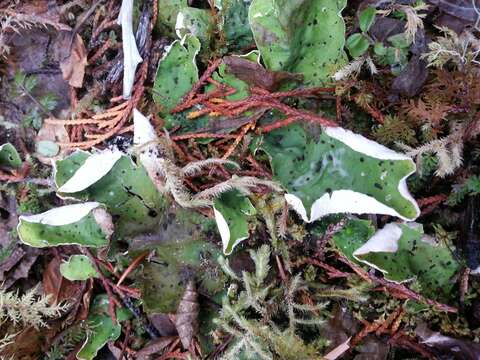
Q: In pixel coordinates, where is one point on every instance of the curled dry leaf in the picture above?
(15, 259)
(187, 315)
(154, 347)
(59, 288)
(256, 75)
(74, 62)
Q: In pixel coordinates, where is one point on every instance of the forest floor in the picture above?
(239, 179)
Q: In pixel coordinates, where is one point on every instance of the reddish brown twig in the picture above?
(125, 342)
(367, 329)
(332, 229)
(278, 124)
(374, 113)
(389, 321)
(202, 136)
(16, 175)
(112, 301)
(239, 138)
(396, 289)
(196, 87)
(221, 91)
(332, 272)
(338, 109)
(432, 200)
(102, 50)
(132, 266)
(464, 284)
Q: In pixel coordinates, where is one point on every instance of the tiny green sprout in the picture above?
(358, 43)
(367, 18)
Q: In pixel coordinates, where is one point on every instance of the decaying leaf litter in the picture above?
(232, 179)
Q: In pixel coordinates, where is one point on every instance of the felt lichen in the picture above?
(302, 36)
(339, 172)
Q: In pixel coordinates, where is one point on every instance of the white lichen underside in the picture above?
(131, 56)
(224, 230)
(94, 168)
(63, 215)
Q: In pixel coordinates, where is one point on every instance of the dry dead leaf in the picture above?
(186, 320)
(256, 75)
(30, 343)
(74, 63)
(57, 286)
(20, 259)
(154, 347)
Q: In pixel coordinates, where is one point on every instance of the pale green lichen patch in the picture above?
(126, 189)
(305, 36)
(86, 224)
(340, 172)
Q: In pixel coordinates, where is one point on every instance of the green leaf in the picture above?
(86, 224)
(338, 171)
(19, 78)
(176, 73)
(78, 267)
(403, 253)
(232, 213)
(101, 328)
(49, 101)
(380, 49)
(399, 41)
(167, 15)
(366, 18)
(303, 36)
(162, 281)
(195, 22)
(30, 82)
(113, 179)
(357, 44)
(353, 235)
(234, 23)
(9, 156)
(47, 148)
(224, 77)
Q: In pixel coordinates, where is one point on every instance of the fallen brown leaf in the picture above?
(74, 63)
(256, 75)
(57, 286)
(186, 320)
(154, 347)
(17, 264)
